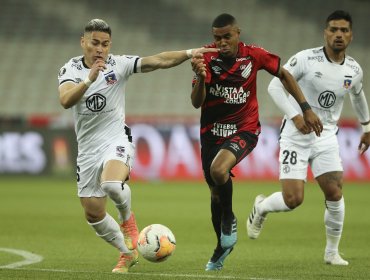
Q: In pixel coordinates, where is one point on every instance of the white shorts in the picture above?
(90, 166)
(322, 155)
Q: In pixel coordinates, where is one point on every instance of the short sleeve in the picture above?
(295, 65)
(66, 74)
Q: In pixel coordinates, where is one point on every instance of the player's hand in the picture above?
(198, 66)
(313, 121)
(364, 143)
(300, 124)
(98, 66)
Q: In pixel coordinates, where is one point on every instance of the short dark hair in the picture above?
(339, 14)
(223, 20)
(98, 25)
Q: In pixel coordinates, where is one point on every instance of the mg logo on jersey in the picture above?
(327, 99)
(96, 102)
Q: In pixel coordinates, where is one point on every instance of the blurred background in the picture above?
(37, 37)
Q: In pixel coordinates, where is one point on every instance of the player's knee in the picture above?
(94, 216)
(112, 188)
(219, 174)
(293, 200)
(334, 194)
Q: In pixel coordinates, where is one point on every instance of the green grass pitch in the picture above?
(43, 216)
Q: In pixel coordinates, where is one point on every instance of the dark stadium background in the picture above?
(38, 36)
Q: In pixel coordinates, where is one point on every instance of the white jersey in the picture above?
(100, 114)
(324, 84)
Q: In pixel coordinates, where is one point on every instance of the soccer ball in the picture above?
(156, 243)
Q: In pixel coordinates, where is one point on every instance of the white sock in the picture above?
(109, 230)
(333, 219)
(273, 203)
(120, 193)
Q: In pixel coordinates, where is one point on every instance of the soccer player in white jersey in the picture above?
(326, 75)
(93, 85)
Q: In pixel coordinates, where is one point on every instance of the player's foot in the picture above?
(217, 260)
(130, 232)
(229, 234)
(334, 259)
(125, 261)
(255, 220)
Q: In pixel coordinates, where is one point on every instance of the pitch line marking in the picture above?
(184, 276)
(29, 258)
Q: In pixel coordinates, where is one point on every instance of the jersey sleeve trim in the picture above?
(136, 65)
(278, 68)
(68, 80)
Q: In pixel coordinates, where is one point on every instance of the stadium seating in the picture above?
(38, 36)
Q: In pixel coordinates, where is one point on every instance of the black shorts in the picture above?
(240, 144)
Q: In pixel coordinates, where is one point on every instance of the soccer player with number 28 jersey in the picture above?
(93, 85)
(326, 75)
(224, 87)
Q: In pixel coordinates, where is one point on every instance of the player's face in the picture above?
(96, 46)
(227, 39)
(338, 35)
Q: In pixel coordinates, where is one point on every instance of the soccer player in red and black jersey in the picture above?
(224, 86)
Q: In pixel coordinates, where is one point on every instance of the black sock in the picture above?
(216, 218)
(226, 199)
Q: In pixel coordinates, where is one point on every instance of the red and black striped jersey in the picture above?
(231, 103)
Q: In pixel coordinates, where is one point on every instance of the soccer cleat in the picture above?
(130, 232)
(229, 234)
(334, 259)
(217, 260)
(255, 220)
(125, 261)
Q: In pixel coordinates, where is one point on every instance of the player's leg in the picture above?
(293, 162)
(232, 152)
(331, 184)
(289, 198)
(93, 201)
(223, 189)
(219, 254)
(328, 171)
(103, 224)
(118, 161)
(113, 175)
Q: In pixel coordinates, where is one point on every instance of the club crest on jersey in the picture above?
(347, 83)
(247, 69)
(110, 77)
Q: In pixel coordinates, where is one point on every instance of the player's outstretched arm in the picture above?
(171, 58)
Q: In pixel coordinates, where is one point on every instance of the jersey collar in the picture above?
(327, 57)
